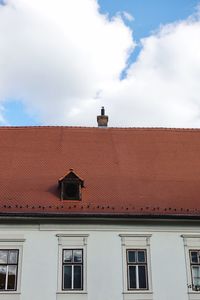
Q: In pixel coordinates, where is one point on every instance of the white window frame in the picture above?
(13, 242)
(136, 265)
(193, 265)
(6, 266)
(136, 242)
(191, 243)
(72, 265)
(72, 242)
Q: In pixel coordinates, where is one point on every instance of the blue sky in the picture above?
(148, 16)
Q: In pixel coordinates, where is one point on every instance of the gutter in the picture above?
(91, 217)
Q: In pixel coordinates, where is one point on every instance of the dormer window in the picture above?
(70, 186)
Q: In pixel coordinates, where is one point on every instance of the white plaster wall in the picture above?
(104, 266)
(104, 261)
(39, 269)
(168, 267)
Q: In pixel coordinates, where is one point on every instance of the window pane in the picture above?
(194, 256)
(196, 283)
(132, 277)
(67, 273)
(141, 256)
(131, 256)
(196, 275)
(77, 255)
(142, 277)
(3, 256)
(3, 277)
(196, 271)
(12, 276)
(71, 190)
(67, 256)
(13, 257)
(77, 277)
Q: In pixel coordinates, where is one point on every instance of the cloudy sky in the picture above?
(60, 61)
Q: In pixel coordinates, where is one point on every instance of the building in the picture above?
(99, 213)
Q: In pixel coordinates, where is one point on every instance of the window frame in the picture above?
(136, 242)
(194, 264)
(10, 264)
(72, 242)
(72, 264)
(191, 243)
(137, 264)
(13, 242)
(65, 185)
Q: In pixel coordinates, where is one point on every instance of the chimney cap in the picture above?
(102, 111)
(102, 119)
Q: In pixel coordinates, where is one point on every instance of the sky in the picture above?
(60, 61)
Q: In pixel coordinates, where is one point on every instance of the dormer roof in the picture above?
(71, 175)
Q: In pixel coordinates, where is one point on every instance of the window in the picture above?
(11, 254)
(137, 269)
(72, 266)
(192, 259)
(71, 191)
(72, 269)
(136, 266)
(8, 269)
(70, 186)
(195, 269)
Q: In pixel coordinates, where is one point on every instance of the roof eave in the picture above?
(90, 216)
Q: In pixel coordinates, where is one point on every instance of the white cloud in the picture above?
(57, 56)
(64, 59)
(127, 16)
(162, 88)
(2, 119)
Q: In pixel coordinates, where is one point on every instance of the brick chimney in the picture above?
(102, 120)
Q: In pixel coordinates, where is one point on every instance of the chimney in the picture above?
(102, 120)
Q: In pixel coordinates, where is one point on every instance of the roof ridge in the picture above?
(98, 128)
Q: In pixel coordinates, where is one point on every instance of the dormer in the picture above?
(70, 186)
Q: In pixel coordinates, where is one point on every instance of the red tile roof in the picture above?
(126, 171)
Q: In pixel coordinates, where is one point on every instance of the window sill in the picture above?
(138, 292)
(71, 292)
(193, 295)
(10, 293)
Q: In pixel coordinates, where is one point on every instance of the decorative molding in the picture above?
(12, 240)
(138, 240)
(72, 239)
(138, 228)
(135, 235)
(71, 235)
(190, 236)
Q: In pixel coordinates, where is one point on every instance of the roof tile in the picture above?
(126, 170)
